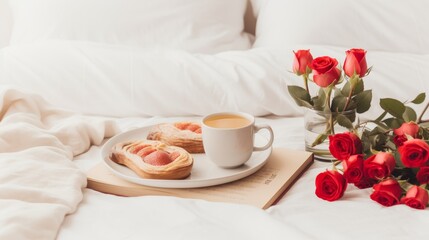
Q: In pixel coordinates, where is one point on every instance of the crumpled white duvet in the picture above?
(39, 183)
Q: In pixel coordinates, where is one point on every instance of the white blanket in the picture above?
(39, 184)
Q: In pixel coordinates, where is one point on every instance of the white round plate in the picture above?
(204, 173)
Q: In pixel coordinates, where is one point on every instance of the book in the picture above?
(261, 189)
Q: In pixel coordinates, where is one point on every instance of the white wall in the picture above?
(5, 23)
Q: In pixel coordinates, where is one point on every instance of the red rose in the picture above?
(408, 128)
(302, 60)
(399, 140)
(379, 166)
(355, 62)
(423, 175)
(330, 185)
(365, 182)
(325, 71)
(416, 197)
(387, 192)
(343, 145)
(414, 153)
(353, 168)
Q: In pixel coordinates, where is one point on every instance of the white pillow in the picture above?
(387, 25)
(113, 80)
(205, 26)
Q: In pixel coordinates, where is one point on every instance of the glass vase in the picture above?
(318, 126)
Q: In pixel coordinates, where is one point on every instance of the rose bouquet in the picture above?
(340, 95)
(389, 153)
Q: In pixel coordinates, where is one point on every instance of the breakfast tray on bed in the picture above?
(261, 189)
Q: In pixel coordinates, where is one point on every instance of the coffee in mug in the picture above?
(228, 138)
(227, 121)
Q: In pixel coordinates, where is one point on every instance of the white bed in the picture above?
(68, 85)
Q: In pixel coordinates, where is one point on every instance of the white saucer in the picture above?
(204, 173)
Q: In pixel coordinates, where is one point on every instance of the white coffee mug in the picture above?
(228, 138)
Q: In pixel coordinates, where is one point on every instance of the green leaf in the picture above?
(320, 100)
(381, 125)
(358, 87)
(301, 96)
(378, 141)
(393, 106)
(381, 116)
(344, 121)
(368, 71)
(409, 115)
(405, 185)
(350, 115)
(321, 92)
(365, 142)
(363, 101)
(425, 133)
(338, 103)
(376, 130)
(398, 160)
(318, 103)
(346, 89)
(420, 98)
(337, 92)
(391, 145)
(352, 104)
(393, 123)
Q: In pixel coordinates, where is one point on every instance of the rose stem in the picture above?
(419, 120)
(306, 83)
(328, 103)
(349, 97)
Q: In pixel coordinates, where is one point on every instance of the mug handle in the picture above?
(270, 142)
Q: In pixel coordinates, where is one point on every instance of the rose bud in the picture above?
(416, 197)
(353, 168)
(408, 128)
(330, 185)
(379, 165)
(343, 145)
(414, 153)
(387, 192)
(302, 60)
(325, 71)
(355, 62)
(423, 175)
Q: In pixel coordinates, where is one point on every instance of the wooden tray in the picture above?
(261, 189)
